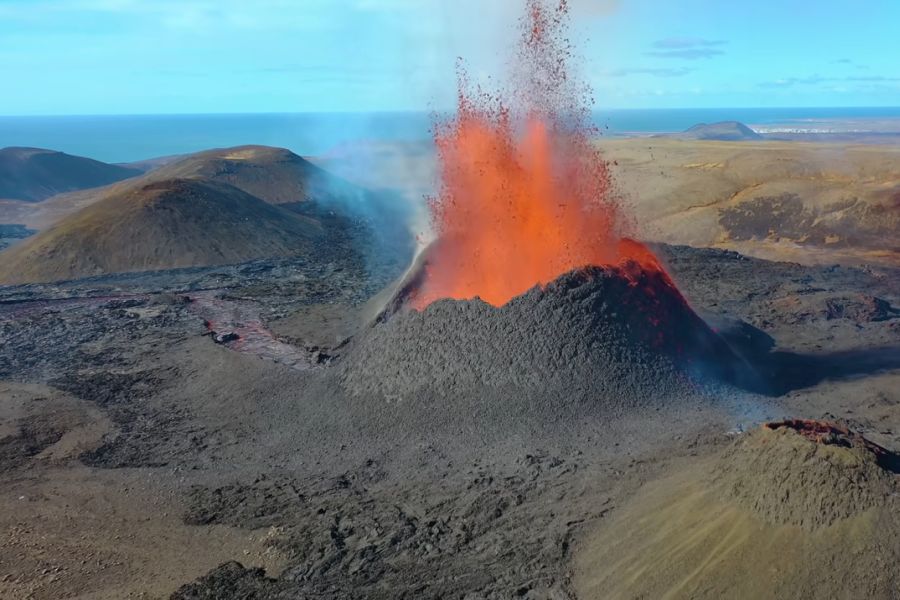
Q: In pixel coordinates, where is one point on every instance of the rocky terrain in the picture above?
(182, 432)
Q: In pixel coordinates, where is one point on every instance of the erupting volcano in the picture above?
(531, 296)
(525, 196)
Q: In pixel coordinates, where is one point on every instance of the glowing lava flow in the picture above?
(525, 196)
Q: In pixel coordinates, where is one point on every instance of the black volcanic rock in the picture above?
(230, 580)
(605, 339)
(33, 174)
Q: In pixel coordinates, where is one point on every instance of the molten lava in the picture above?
(525, 196)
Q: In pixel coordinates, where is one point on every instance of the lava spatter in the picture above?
(525, 195)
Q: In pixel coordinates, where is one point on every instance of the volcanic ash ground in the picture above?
(597, 339)
(795, 509)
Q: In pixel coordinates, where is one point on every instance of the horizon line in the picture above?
(424, 112)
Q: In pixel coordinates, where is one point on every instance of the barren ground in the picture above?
(136, 453)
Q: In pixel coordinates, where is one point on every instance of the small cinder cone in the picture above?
(794, 509)
(806, 473)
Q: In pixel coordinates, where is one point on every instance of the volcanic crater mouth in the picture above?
(821, 432)
(833, 434)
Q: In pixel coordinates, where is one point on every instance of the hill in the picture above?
(374, 225)
(157, 225)
(724, 131)
(794, 509)
(33, 174)
(275, 175)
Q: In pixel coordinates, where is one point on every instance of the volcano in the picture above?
(532, 288)
(793, 509)
(602, 339)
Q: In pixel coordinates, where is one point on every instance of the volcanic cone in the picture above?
(795, 509)
(605, 338)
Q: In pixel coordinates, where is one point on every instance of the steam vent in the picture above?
(793, 509)
(602, 338)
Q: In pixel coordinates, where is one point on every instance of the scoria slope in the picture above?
(596, 340)
(793, 509)
(159, 225)
(275, 175)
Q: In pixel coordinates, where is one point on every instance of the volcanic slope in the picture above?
(795, 509)
(596, 340)
(376, 221)
(371, 227)
(159, 225)
(275, 175)
(34, 174)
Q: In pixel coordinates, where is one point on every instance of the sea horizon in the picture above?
(122, 138)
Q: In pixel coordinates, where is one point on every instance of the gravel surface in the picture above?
(343, 480)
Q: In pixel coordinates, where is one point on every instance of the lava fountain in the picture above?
(525, 196)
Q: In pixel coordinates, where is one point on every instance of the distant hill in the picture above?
(374, 223)
(159, 225)
(33, 174)
(216, 207)
(725, 131)
(275, 175)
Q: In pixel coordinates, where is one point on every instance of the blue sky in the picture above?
(200, 56)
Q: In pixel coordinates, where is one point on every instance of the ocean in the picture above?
(132, 138)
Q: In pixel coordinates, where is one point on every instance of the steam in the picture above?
(381, 197)
(402, 171)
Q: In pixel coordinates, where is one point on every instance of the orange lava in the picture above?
(525, 196)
